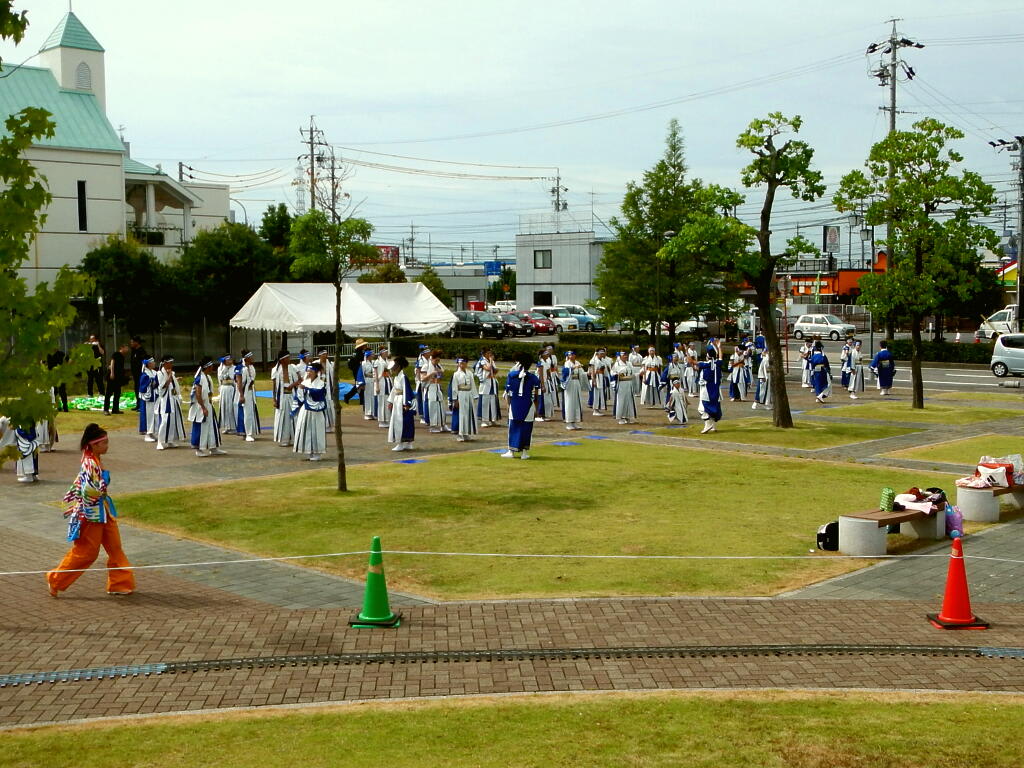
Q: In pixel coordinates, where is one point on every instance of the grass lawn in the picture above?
(966, 451)
(933, 413)
(598, 497)
(718, 730)
(993, 397)
(809, 435)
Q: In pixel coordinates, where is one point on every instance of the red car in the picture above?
(541, 325)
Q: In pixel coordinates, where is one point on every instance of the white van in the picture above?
(1003, 321)
(559, 316)
(586, 319)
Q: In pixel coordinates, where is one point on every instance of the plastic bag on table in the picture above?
(954, 521)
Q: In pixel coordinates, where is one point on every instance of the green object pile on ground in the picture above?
(86, 403)
(597, 497)
(719, 730)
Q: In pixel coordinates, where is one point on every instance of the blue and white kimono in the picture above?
(690, 379)
(625, 387)
(884, 366)
(855, 381)
(521, 389)
(650, 385)
(367, 385)
(147, 403)
(550, 388)
(383, 378)
(709, 373)
(248, 420)
(421, 362)
(844, 365)
(675, 394)
(739, 375)
(27, 465)
(402, 429)
(434, 399)
(205, 428)
(763, 393)
(311, 420)
(600, 383)
(574, 383)
(488, 407)
(227, 406)
(462, 395)
(821, 375)
(283, 379)
(170, 427)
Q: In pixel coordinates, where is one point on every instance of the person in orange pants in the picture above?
(92, 523)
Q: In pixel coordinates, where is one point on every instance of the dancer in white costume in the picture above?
(201, 413)
(248, 422)
(488, 408)
(170, 428)
(574, 384)
(148, 395)
(311, 421)
(462, 396)
(650, 385)
(283, 379)
(227, 406)
(625, 375)
(600, 382)
(433, 393)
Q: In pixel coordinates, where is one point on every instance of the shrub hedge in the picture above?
(944, 351)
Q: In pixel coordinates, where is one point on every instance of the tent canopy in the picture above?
(366, 308)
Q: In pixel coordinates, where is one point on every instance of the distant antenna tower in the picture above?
(299, 182)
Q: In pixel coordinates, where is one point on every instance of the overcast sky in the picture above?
(225, 85)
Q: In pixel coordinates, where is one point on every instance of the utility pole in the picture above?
(1017, 146)
(412, 242)
(556, 197)
(888, 72)
(312, 137)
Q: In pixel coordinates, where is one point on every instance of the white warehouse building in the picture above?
(557, 268)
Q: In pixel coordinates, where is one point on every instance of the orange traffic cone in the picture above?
(956, 603)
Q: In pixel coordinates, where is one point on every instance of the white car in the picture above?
(822, 327)
(1008, 355)
(559, 316)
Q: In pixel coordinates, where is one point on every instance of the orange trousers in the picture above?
(83, 553)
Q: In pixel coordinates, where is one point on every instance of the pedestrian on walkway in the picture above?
(884, 367)
(821, 373)
(92, 523)
(115, 380)
(856, 378)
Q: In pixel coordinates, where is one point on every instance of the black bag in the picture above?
(828, 536)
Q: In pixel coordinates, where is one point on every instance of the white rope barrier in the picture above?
(510, 555)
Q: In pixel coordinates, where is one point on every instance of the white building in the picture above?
(97, 188)
(556, 268)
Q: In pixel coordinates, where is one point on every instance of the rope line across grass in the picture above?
(512, 555)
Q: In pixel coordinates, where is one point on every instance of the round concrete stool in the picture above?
(978, 504)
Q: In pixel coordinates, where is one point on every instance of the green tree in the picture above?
(223, 267)
(933, 236)
(384, 273)
(130, 279)
(496, 290)
(327, 251)
(638, 279)
(435, 285)
(779, 163)
(32, 322)
(276, 227)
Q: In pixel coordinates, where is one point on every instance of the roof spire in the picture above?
(71, 33)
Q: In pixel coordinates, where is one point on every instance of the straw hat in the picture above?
(360, 343)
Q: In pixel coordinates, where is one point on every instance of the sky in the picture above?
(581, 91)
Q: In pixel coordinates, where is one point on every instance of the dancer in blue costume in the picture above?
(522, 389)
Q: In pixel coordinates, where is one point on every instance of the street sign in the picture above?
(830, 239)
(492, 268)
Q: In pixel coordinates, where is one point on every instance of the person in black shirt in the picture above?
(53, 360)
(354, 363)
(139, 354)
(95, 373)
(115, 379)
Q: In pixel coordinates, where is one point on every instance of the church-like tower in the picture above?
(75, 58)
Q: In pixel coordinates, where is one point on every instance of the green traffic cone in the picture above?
(376, 611)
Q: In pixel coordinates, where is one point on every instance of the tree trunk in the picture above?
(781, 415)
(915, 361)
(342, 478)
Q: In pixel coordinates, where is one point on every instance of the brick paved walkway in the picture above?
(274, 609)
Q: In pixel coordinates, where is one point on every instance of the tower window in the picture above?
(83, 77)
(83, 220)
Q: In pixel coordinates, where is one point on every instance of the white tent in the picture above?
(366, 309)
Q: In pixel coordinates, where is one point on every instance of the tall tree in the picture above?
(933, 238)
(636, 279)
(779, 163)
(223, 267)
(130, 279)
(276, 227)
(384, 273)
(435, 285)
(32, 322)
(326, 251)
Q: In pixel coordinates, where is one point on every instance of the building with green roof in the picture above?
(97, 189)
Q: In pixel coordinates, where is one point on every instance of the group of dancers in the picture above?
(302, 414)
(817, 372)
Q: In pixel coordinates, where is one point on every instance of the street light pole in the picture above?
(1017, 146)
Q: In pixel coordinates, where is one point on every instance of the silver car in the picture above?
(1008, 355)
(822, 327)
